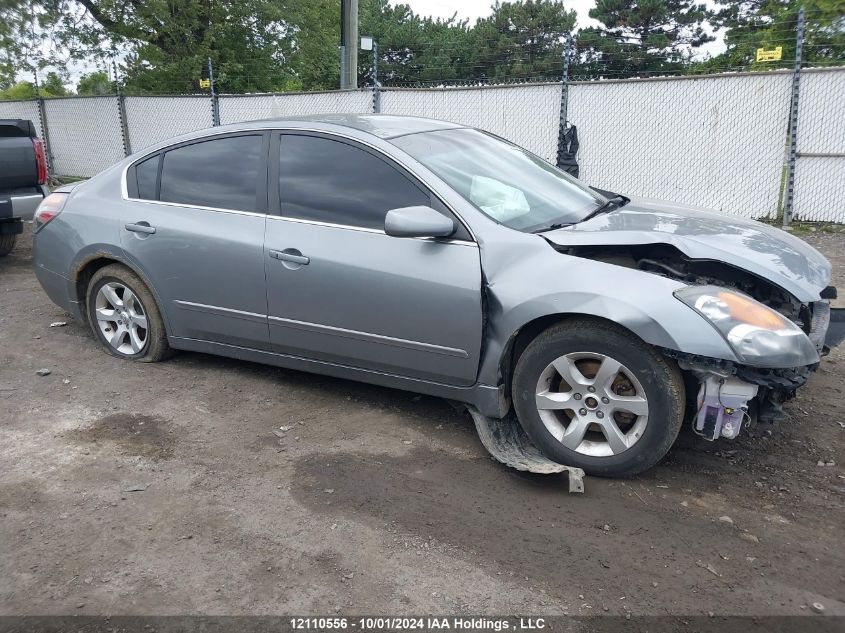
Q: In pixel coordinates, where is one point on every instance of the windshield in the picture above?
(507, 183)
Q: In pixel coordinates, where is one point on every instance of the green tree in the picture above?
(53, 86)
(255, 45)
(522, 39)
(20, 90)
(96, 84)
(23, 35)
(642, 37)
(753, 24)
(413, 48)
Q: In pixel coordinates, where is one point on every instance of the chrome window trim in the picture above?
(196, 206)
(366, 230)
(124, 187)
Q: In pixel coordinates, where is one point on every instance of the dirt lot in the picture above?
(375, 501)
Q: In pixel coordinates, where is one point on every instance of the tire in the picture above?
(618, 439)
(7, 243)
(147, 345)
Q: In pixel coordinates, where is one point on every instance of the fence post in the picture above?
(42, 116)
(793, 121)
(121, 113)
(215, 104)
(376, 87)
(564, 98)
(342, 50)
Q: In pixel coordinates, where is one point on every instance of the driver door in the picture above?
(342, 291)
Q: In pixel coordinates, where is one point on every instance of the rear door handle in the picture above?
(294, 258)
(141, 227)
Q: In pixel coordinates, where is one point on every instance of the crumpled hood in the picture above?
(699, 233)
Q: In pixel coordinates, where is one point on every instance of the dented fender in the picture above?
(566, 285)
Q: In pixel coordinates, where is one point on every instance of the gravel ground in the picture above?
(375, 500)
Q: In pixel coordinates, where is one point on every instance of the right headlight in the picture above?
(758, 335)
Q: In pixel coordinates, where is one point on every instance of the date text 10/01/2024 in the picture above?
(418, 623)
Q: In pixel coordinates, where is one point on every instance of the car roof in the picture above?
(384, 126)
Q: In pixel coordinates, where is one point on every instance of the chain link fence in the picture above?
(22, 110)
(715, 141)
(234, 109)
(820, 159)
(528, 115)
(718, 141)
(83, 135)
(150, 120)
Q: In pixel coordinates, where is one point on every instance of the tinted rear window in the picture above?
(147, 173)
(222, 173)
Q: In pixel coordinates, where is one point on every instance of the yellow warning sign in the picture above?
(206, 83)
(769, 54)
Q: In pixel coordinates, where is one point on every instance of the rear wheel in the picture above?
(125, 317)
(7, 243)
(591, 395)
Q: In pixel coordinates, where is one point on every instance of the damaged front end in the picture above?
(777, 339)
(730, 396)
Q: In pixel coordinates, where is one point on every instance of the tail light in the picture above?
(49, 208)
(40, 160)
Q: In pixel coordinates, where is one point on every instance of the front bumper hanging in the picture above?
(508, 443)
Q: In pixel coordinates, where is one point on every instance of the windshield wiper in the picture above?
(552, 227)
(611, 205)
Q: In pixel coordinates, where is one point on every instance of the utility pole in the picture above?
(348, 44)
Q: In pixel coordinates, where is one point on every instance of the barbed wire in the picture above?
(430, 63)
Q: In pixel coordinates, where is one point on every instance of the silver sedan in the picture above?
(440, 259)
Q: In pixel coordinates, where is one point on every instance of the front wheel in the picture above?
(589, 394)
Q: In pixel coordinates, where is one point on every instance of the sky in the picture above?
(474, 9)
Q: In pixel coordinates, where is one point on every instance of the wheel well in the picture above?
(528, 332)
(88, 269)
(83, 277)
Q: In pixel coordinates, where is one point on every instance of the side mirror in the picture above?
(418, 222)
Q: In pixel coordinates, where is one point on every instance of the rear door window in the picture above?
(223, 173)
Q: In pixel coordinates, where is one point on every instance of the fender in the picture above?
(112, 252)
(548, 284)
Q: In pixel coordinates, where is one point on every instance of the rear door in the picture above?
(195, 226)
(340, 290)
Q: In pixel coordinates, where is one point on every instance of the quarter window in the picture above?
(222, 173)
(330, 181)
(146, 174)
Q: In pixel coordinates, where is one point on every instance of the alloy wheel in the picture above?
(592, 404)
(121, 318)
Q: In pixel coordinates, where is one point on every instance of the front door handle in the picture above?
(291, 255)
(141, 227)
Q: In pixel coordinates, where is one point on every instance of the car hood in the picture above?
(762, 250)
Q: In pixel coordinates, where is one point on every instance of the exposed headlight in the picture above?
(757, 334)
